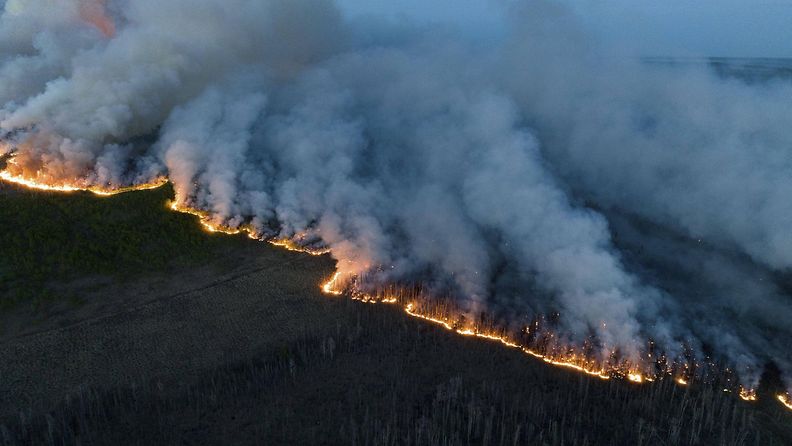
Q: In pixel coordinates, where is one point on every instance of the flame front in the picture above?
(572, 361)
(66, 187)
(291, 245)
(329, 286)
(786, 400)
(577, 363)
(333, 286)
(205, 219)
(94, 12)
(747, 394)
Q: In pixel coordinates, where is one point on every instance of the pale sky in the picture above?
(749, 28)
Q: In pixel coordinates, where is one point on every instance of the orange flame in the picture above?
(333, 286)
(785, 400)
(571, 361)
(204, 218)
(64, 187)
(635, 377)
(577, 363)
(95, 13)
(291, 245)
(747, 394)
(329, 286)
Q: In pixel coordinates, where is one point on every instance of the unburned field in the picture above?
(223, 340)
(50, 241)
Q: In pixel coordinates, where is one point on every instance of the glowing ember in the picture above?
(329, 286)
(681, 381)
(635, 377)
(748, 394)
(786, 401)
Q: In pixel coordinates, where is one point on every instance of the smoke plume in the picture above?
(529, 174)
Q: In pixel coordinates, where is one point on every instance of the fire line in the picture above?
(331, 286)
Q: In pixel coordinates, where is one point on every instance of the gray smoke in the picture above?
(526, 175)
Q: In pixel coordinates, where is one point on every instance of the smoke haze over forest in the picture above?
(538, 169)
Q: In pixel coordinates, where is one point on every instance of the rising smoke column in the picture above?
(499, 182)
(409, 174)
(84, 123)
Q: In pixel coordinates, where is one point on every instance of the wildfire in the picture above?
(94, 12)
(747, 394)
(64, 187)
(290, 245)
(329, 286)
(571, 361)
(577, 362)
(601, 374)
(785, 400)
(204, 218)
(635, 377)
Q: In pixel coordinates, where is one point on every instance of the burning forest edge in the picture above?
(538, 338)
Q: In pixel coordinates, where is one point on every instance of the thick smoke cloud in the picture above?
(530, 175)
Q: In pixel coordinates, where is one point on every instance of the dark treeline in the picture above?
(387, 379)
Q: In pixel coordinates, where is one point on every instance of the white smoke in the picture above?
(495, 171)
